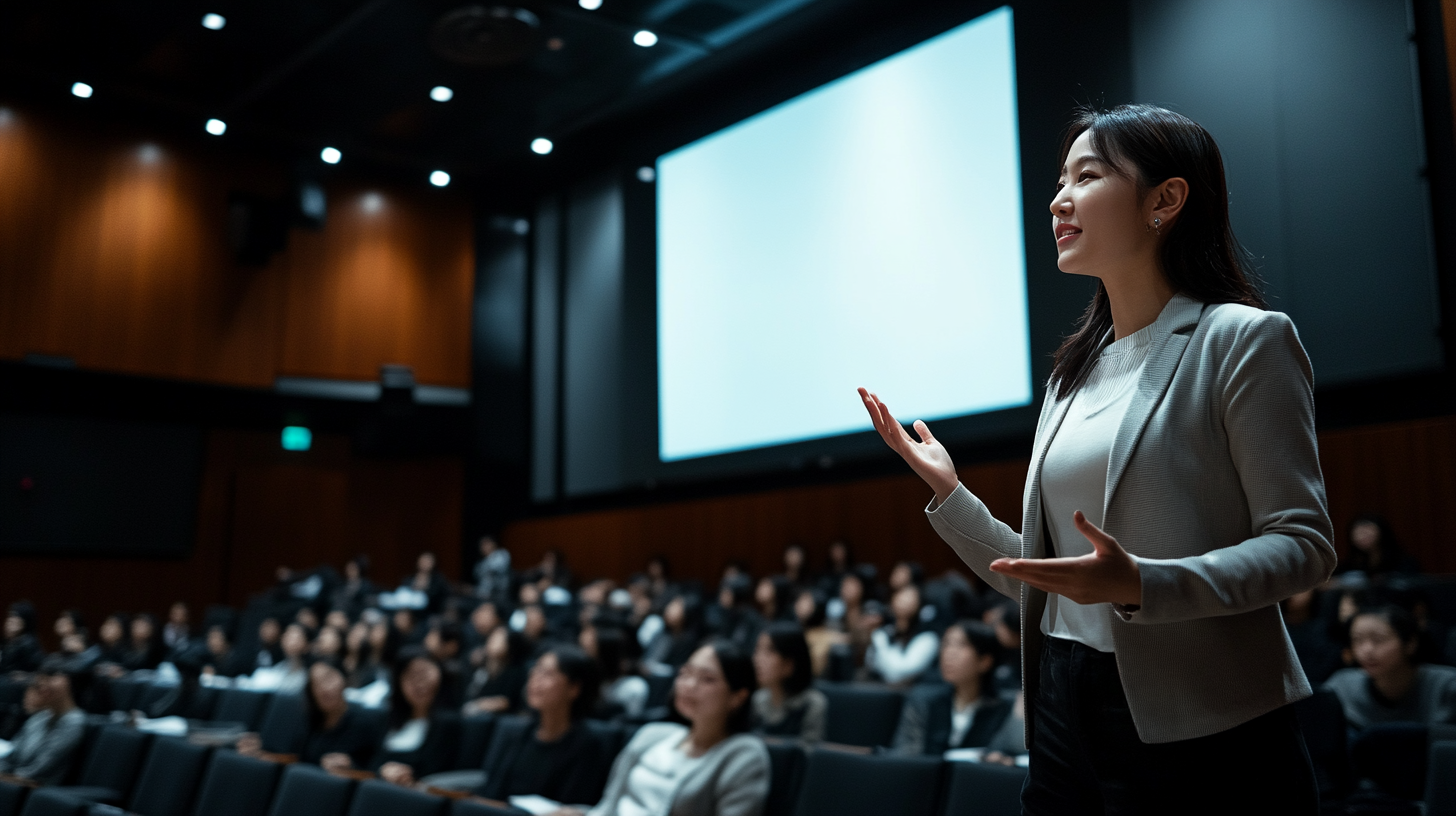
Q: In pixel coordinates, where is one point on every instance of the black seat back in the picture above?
(240, 706)
(115, 760)
(976, 789)
(236, 785)
(786, 777)
(474, 740)
(284, 725)
(861, 715)
(1441, 779)
(838, 783)
(376, 798)
(169, 778)
(306, 789)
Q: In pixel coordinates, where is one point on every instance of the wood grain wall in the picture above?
(1406, 472)
(113, 252)
(259, 508)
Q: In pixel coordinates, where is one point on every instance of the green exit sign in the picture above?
(297, 438)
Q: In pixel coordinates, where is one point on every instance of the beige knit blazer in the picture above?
(1214, 486)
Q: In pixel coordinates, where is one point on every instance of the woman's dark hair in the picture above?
(1390, 550)
(981, 636)
(1200, 256)
(580, 669)
(736, 664)
(783, 590)
(611, 651)
(24, 610)
(400, 709)
(1401, 621)
(692, 622)
(787, 639)
(917, 571)
(518, 647)
(740, 587)
(818, 616)
(916, 624)
(314, 715)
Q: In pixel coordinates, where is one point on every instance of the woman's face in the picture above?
(587, 640)
(701, 693)
(764, 593)
(294, 642)
(110, 631)
(217, 642)
(484, 618)
(1097, 215)
(420, 683)
(328, 643)
(851, 590)
(1365, 535)
(141, 630)
(338, 620)
(770, 666)
(497, 646)
(548, 689)
(900, 576)
(1377, 647)
(804, 607)
(357, 637)
(959, 660)
(906, 603)
(793, 559)
(673, 614)
(378, 636)
(64, 626)
(327, 685)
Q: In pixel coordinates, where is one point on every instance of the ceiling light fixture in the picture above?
(82, 90)
(216, 127)
(331, 155)
(541, 146)
(213, 22)
(439, 178)
(589, 5)
(645, 38)
(440, 93)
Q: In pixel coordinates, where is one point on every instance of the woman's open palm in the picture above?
(927, 457)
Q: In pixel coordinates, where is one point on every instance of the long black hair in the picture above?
(580, 670)
(1200, 256)
(737, 666)
(401, 710)
(787, 640)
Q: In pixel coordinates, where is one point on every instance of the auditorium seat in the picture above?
(53, 802)
(284, 723)
(475, 732)
(240, 706)
(307, 789)
(236, 785)
(786, 777)
(859, 714)
(659, 689)
(169, 778)
(123, 693)
(1322, 719)
(111, 768)
(376, 798)
(977, 789)
(471, 807)
(12, 798)
(1441, 779)
(838, 783)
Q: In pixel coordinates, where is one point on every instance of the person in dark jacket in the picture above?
(552, 753)
(48, 742)
(337, 735)
(423, 734)
(20, 651)
(965, 711)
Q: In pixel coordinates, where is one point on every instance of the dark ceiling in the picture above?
(290, 77)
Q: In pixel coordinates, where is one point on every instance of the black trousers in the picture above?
(1086, 756)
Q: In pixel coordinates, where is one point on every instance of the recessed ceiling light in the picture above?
(82, 90)
(439, 178)
(589, 5)
(214, 22)
(331, 155)
(645, 38)
(541, 146)
(440, 93)
(216, 127)
(646, 175)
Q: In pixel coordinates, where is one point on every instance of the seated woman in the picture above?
(708, 766)
(20, 651)
(48, 742)
(145, 650)
(624, 694)
(551, 754)
(809, 610)
(337, 736)
(965, 712)
(290, 674)
(901, 651)
(1390, 685)
(682, 625)
(422, 736)
(786, 703)
(496, 684)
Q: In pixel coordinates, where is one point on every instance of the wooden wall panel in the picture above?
(113, 251)
(259, 508)
(1406, 472)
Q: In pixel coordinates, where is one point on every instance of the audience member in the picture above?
(786, 703)
(775, 598)
(680, 634)
(427, 580)
(809, 612)
(177, 633)
(20, 650)
(290, 673)
(1374, 550)
(1390, 685)
(902, 650)
(496, 685)
(493, 571)
(964, 711)
(443, 644)
(733, 616)
(144, 650)
(269, 649)
(328, 645)
(837, 564)
(795, 571)
(335, 735)
(423, 734)
(551, 571)
(356, 592)
(218, 659)
(1319, 652)
(43, 750)
(708, 766)
(658, 574)
(551, 753)
(906, 573)
(623, 692)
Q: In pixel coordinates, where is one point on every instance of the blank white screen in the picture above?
(868, 232)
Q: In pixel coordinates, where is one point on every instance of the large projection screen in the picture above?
(868, 232)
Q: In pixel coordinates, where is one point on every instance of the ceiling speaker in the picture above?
(481, 35)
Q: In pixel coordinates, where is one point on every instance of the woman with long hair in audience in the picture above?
(963, 712)
(336, 736)
(786, 703)
(359, 663)
(551, 754)
(289, 674)
(1173, 500)
(901, 651)
(775, 598)
(809, 611)
(733, 616)
(497, 684)
(1374, 549)
(709, 764)
(20, 651)
(422, 736)
(144, 649)
(682, 630)
(623, 692)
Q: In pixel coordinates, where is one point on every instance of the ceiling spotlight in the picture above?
(645, 38)
(589, 5)
(216, 127)
(213, 22)
(541, 146)
(331, 155)
(440, 93)
(439, 178)
(82, 90)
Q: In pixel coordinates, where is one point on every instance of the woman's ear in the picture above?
(1166, 200)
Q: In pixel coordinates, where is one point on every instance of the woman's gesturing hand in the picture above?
(928, 458)
(1106, 575)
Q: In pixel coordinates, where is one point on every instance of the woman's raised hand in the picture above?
(928, 458)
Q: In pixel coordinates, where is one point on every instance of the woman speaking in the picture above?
(1174, 498)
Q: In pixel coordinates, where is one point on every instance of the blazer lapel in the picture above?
(1171, 339)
